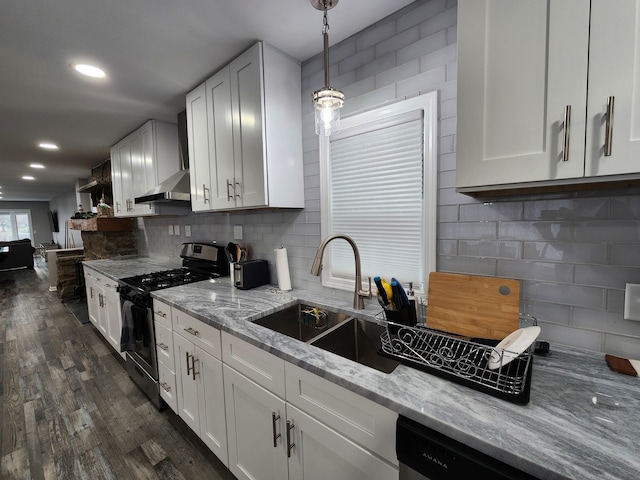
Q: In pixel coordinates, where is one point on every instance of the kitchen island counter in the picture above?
(582, 420)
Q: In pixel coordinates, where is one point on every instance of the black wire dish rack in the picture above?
(472, 362)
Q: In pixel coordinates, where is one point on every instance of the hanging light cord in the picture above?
(325, 37)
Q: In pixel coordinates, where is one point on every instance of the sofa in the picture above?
(16, 254)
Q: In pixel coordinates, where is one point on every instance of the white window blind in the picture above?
(376, 196)
(378, 185)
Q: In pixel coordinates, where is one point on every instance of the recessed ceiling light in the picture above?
(36, 165)
(48, 146)
(28, 177)
(89, 70)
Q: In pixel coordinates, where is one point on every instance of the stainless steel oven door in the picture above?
(141, 345)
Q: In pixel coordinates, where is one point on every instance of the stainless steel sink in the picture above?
(357, 340)
(302, 321)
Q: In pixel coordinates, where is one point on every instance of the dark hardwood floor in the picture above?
(69, 409)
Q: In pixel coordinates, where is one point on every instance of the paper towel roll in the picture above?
(282, 269)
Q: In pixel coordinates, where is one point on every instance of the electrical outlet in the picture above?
(176, 229)
(237, 232)
(187, 230)
(170, 229)
(632, 302)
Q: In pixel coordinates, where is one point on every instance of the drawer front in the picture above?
(167, 383)
(162, 313)
(164, 346)
(265, 369)
(357, 418)
(203, 335)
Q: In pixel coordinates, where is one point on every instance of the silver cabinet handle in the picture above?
(188, 367)
(274, 419)
(166, 387)
(567, 131)
(608, 134)
(162, 346)
(160, 313)
(235, 190)
(193, 332)
(90, 292)
(118, 207)
(290, 445)
(204, 193)
(229, 196)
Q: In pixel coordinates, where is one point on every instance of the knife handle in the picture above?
(381, 291)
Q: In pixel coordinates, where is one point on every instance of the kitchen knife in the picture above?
(381, 291)
(401, 299)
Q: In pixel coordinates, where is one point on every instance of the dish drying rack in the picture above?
(461, 359)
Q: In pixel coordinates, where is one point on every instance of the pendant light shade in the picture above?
(327, 101)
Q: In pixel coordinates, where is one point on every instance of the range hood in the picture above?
(176, 189)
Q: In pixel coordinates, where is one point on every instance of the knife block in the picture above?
(404, 316)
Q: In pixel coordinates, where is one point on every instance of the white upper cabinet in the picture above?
(614, 71)
(140, 162)
(533, 83)
(245, 138)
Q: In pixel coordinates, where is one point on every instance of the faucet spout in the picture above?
(358, 294)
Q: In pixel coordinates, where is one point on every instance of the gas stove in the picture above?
(150, 282)
(200, 261)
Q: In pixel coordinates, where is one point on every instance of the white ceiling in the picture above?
(154, 52)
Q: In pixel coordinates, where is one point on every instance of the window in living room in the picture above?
(15, 225)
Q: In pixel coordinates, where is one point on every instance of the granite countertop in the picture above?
(582, 421)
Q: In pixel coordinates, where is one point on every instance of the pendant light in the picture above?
(327, 101)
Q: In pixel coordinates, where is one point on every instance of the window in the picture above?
(378, 180)
(15, 225)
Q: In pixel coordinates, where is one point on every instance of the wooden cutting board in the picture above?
(473, 306)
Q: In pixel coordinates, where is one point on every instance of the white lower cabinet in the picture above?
(103, 304)
(256, 429)
(318, 452)
(199, 388)
(317, 431)
(165, 354)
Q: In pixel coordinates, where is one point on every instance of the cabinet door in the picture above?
(247, 110)
(614, 71)
(520, 64)
(187, 388)
(198, 145)
(213, 428)
(252, 430)
(116, 181)
(93, 299)
(148, 178)
(113, 314)
(320, 453)
(220, 138)
(138, 174)
(167, 383)
(121, 175)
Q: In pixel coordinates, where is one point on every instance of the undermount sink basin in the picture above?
(357, 340)
(302, 321)
(349, 337)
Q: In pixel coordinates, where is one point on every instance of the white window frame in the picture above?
(12, 213)
(428, 104)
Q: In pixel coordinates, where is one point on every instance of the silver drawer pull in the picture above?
(192, 331)
(160, 313)
(166, 387)
(163, 346)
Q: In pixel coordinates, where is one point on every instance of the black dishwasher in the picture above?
(424, 453)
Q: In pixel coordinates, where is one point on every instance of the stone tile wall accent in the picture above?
(108, 244)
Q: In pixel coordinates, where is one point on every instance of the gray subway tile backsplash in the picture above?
(573, 252)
